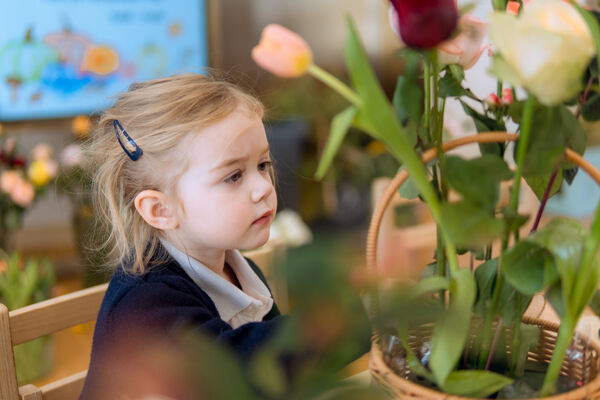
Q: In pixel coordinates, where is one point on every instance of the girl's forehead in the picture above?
(238, 134)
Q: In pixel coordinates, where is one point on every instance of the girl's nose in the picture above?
(262, 188)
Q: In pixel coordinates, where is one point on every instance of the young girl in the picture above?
(183, 179)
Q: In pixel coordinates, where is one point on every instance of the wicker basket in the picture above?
(584, 369)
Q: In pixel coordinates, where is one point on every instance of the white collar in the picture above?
(228, 298)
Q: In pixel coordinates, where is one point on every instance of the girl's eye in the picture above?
(264, 166)
(234, 178)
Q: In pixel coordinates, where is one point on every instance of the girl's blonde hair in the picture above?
(158, 115)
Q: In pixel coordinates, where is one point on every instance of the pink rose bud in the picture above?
(425, 23)
(492, 100)
(282, 52)
(513, 7)
(507, 97)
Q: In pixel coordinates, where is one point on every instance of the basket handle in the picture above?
(400, 178)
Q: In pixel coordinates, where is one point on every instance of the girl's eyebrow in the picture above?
(233, 161)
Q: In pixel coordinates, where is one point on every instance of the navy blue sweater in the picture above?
(158, 304)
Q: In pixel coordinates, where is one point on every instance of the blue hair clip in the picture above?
(134, 155)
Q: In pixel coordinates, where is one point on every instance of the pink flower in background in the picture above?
(8, 180)
(20, 191)
(512, 7)
(425, 23)
(507, 97)
(23, 193)
(71, 156)
(42, 152)
(282, 52)
(492, 100)
(465, 48)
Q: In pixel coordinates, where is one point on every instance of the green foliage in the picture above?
(475, 383)
(529, 267)
(469, 226)
(339, 127)
(450, 332)
(478, 180)
(408, 96)
(24, 282)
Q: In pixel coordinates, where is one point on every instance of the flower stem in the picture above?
(522, 151)
(565, 334)
(538, 216)
(335, 84)
(427, 84)
(514, 203)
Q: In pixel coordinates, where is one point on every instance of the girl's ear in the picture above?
(154, 208)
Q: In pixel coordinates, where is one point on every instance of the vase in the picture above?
(585, 369)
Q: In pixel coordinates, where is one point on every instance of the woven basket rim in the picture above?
(376, 361)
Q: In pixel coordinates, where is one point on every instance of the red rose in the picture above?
(425, 23)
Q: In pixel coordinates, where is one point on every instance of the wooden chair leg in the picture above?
(9, 389)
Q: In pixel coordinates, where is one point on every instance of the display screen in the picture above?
(60, 58)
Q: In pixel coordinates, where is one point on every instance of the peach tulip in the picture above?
(465, 48)
(282, 52)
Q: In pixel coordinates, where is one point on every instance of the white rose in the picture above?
(546, 49)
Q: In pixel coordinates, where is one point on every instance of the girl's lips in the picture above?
(263, 219)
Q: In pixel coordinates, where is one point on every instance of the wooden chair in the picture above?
(37, 320)
(268, 257)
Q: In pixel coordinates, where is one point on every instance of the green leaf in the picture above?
(408, 96)
(266, 372)
(449, 86)
(457, 72)
(590, 110)
(450, 332)
(408, 190)
(595, 302)
(478, 180)
(339, 127)
(552, 129)
(592, 23)
(565, 239)
(485, 124)
(546, 142)
(555, 298)
(529, 267)
(539, 184)
(574, 134)
(475, 383)
(530, 336)
(429, 285)
(485, 276)
(470, 226)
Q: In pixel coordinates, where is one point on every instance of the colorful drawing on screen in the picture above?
(71, 57)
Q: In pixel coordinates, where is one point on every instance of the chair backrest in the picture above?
(37, 320)
(267, 258)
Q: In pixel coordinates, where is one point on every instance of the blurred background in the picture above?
(62, 60)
